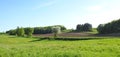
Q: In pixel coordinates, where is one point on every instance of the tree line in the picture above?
(47, 29)
(111, 27)
(35, 30)
(84, 27)
(21, 31)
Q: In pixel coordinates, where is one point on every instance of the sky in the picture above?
(37, 13)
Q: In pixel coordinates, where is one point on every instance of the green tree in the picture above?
(84, 27)
(111, 27)
(61, 27)
(11, 32)
(29, 31)
(56, 30)
(47, 29)
(100, 28)
(20, 31)
(79, 28)
(87, 27)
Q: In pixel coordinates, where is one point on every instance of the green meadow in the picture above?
(13, 46)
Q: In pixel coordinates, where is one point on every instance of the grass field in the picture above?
(12, 46)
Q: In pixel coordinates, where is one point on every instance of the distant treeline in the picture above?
(47, 29)
(84, 27)
(38, 30)
(111, 27)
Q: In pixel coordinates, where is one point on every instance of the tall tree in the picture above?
(87, 27)
(100, 28)
(79, 28)
(29, 31)
(84, 27)
(20, 31)
(111, 27)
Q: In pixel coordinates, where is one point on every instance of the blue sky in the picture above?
(34, 13)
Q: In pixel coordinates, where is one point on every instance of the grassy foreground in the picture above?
(11, 46)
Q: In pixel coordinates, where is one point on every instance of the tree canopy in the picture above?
(84, 27)
(111, 27)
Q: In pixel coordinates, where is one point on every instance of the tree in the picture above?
(79, 28)
(61, 27)
(40, 30)
(111, 27)
(47, 29)
(29, 31)
(56, 30)
(100, 28)
(84, 27)
(11, 32)
(20, 31)
(87, 27)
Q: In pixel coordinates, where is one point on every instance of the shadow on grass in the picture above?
(68, 39)
(13, 37)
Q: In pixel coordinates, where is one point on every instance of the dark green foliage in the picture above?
(2, 33)
(47, 29)
(29, 31)
(20, 31)
(42, 30)
(37, 30)
(100, 28)
(111, 27)
(87, 27)
(11, 32)
(84, 27)
(79, 28)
